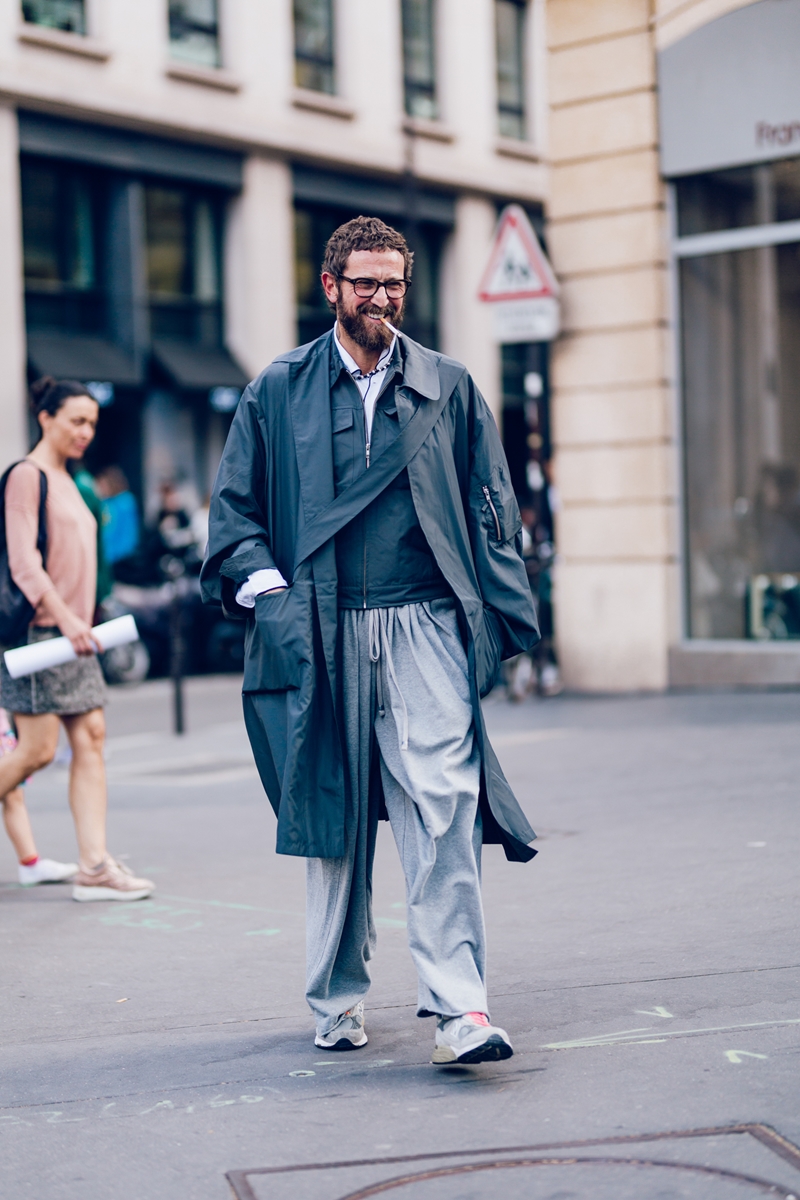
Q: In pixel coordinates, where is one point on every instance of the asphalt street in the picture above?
(646, 965)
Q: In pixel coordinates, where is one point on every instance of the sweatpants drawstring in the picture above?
(379, 643)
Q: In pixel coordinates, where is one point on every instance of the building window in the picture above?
(313, 45)
(740, 320)
(62, 214)
(183, 230)
(194, 32)
(419, 58)
(69, 15)
(509, 19)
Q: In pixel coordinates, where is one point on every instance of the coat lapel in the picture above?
(420, 379)
(310, 406)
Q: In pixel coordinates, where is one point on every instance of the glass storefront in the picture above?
(740, 322)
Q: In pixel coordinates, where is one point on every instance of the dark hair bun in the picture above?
(39, 390)
(48, 394)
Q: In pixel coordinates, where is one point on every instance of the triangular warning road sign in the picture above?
(518, 268)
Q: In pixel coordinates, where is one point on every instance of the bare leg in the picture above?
(87, 785)
(17, 823)
(37, 738)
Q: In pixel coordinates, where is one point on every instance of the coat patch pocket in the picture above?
(342, 419)
(278, 642)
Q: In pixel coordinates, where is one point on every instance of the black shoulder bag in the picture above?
(16, 610)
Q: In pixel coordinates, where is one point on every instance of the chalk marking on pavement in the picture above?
(658, 1011)
(526, 737)
(736, 1056)
(391, 923)
(142, 916)
(56, 1117)
(139, 916)
(630, 1035)
(283, 912)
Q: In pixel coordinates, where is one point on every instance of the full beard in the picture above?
(370, 335)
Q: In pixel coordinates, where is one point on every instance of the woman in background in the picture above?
(63, 597)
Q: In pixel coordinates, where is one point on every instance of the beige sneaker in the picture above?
(112, 880)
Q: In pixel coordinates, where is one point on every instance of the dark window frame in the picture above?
(512, 115)
(420, 89)
(45, 13)
(315, 71)
(62, 303)
(180, 24)
(182, 315)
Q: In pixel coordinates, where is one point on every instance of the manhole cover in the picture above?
(586, 1179)
(555, 1171)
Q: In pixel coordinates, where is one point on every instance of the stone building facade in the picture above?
(664, 561)
(171, 169)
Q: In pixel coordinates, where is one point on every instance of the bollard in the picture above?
(177, 658)
(174, 569)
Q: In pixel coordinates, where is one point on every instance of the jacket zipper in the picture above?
(489, 501)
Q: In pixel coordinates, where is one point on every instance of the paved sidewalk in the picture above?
(647, 965)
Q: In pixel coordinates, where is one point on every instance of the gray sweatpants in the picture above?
(405, 700)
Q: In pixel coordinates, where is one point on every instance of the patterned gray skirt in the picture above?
(74, 687)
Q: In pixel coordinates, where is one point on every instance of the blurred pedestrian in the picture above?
(61, 593)
(31, 869)
(173, 521)
(85, 483)
(120, 520)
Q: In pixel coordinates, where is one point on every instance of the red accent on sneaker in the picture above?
(29, 862)
(478, 1018)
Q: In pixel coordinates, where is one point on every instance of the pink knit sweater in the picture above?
(71, 541)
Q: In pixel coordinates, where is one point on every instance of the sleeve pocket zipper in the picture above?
(490, 502)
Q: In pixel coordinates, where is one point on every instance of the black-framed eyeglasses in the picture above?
(365, 289)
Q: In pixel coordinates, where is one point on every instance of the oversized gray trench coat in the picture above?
(275, 476)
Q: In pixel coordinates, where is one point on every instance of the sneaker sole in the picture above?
(494, 1049)
(342, 1044)
(47, 882)
(86, 894)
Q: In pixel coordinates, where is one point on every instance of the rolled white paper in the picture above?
(40, 656)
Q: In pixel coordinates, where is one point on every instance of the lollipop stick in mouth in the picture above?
(388, 325)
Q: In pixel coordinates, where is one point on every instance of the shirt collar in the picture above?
(352, 367)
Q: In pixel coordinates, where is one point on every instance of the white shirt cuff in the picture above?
(259, 582)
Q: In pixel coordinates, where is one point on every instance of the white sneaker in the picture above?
(470, 1039)
(111, 880)
(348, 1033)
(46, 870)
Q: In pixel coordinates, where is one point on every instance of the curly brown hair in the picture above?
(363, 233)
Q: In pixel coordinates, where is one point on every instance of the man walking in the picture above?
(364, 522)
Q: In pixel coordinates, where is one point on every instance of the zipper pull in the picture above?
(367, 454)
(490, 502)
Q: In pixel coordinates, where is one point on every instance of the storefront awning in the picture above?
(198, 367)
(80, 356)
